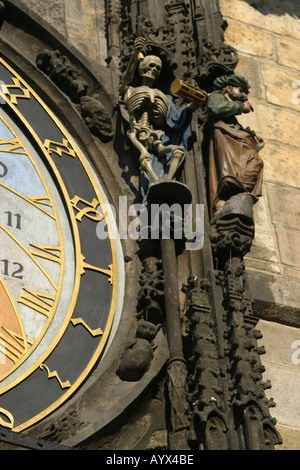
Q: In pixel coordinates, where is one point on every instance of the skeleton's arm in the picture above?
(131, 67)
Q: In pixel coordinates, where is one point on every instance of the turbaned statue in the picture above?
(234, 164)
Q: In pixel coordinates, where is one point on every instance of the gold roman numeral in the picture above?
(41, 303)
(59, 148)
(6, 424)
(51, 253)
(90, 209)
(11, 146)
(108, 272)
(79, 321)
(43, 200)
(14, 96)
(13, 345)
(54, 374)
(36, 201)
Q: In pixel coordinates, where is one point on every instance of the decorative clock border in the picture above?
(84, 335)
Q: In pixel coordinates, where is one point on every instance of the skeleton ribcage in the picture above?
(151, 101)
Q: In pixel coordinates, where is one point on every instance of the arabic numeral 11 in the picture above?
(13, 220)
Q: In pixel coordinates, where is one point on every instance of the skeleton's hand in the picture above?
(139, 44)
(136, 57)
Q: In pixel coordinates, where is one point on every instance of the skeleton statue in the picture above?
(149, 110)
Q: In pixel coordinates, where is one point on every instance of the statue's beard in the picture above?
(237, 96)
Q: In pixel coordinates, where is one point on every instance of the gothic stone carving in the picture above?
(63, 428)
(248, 400)
(70, 80)
(229, 408)
(67, 77)
(213, 58)
(137, 355)
(209, 423)
(96, 118)
(2, 12)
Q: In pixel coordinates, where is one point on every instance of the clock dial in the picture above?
(61, 287)
(32, 262)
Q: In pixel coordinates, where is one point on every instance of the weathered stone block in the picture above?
(280, 293)
(261, 213)
(288, 52)
(249, 39)
(254, 265)
(283, 352)
(264, 247)
(73, 10)
(270, 15)
(282, 369)
(284, 203)
(249, 67)
(288, 244)
(85, 21)
(278, 83)
(52, 12)
(291, 271)
(280, 125)
(281, 164)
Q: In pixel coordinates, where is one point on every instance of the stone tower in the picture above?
(180, 345)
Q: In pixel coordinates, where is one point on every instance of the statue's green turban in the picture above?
(232, 80)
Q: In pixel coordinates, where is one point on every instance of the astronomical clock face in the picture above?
(60, 285)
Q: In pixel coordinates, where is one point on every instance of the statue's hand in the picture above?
(136, 56)
(261, 143)
(247, 107)
(138, 45)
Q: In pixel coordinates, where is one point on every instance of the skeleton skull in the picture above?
(150, 67)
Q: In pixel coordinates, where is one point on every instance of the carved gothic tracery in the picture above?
(72, 82)
(216, 390)
(138, 353)
(227, 405)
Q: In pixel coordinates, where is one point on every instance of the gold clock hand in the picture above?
(29, 254)
(35, 201)
(13, 342)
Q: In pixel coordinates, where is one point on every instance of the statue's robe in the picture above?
(175, 132)
(234, 163)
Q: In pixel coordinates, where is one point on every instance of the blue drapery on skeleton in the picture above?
(176, 132)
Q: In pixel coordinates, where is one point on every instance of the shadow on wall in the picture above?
(276, 7)
(269, 295)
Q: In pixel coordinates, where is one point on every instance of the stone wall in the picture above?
(85, 24)
(82, 22)
(53, 11)
(266, 34)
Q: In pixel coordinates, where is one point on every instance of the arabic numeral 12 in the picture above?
(13, 272)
